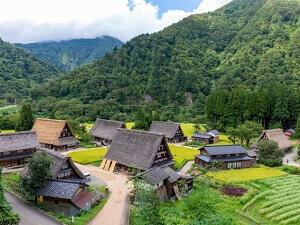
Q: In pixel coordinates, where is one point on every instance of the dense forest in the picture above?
(245, 44)
(69, 54)
(20, 71)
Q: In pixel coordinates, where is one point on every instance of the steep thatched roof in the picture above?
(58, 161)
(167, 128)
(49, 132)
(135, 148)
(106, 129)
(276, 135)
(18, 141)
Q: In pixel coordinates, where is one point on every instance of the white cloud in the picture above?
(41, 20)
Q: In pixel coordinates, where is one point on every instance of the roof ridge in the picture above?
(54, 153)
(17, 133)
(166, 122)
(54, 120)
(222, 145)
(63, 181)
(110, 120)
(141, 131)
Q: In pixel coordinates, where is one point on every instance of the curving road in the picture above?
(116, 209)
(28, 214)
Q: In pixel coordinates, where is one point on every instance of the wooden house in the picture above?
(168, 183)
(61, 196)
(55, 134)
(276, 135)
(133, 150)
(215, 134)
(17, 148)
(289, 133)
(103, 131)
(203, 137)
(172, 131)
(62, 168)
(232, 156)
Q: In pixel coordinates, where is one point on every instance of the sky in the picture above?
(27, 21)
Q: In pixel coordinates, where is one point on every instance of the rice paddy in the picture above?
(182, 155)
(279, 203)
(88, 156)
(242, 175)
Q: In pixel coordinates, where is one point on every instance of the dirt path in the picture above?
(290, 158)
(116, 210)
(186, 168)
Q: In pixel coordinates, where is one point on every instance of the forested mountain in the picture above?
(247, 44)
(20, 71)
(70, 54)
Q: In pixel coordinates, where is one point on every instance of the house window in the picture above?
(234, 165)
(227, 155)
(239, 165)
(229, 165)
(237, 154)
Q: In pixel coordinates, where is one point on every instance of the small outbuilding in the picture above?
(168, 183)
(215, 134)
(203, 137)
(276, 135)
(133, 151)
(55, 134)
(231, 156)
(289, 133)
(17, 148)
(67, 197)
(172, 131)
(103, 131)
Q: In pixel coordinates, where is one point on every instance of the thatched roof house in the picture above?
(104, 130)
(172, 131)
(135, 149)
(55, 134)
(62, 167)
(16, 148)
(276, 135)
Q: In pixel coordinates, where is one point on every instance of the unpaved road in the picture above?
(28, 214)
(186, 168)
(116, 210)
(289, 159)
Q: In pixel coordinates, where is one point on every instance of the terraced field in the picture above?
(277, 201)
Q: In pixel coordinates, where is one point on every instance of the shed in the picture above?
(103, 131)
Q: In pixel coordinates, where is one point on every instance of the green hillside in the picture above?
(70, 54)
(20, 71)
(245, 44)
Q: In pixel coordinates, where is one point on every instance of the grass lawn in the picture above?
(248, 174)
(88, 156)
(7, 131)
(182, 154)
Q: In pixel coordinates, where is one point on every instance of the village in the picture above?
(170, 159)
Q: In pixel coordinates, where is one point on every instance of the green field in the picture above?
(182, 154)
(248, 174)
(277, 201)
(88, 156)
(7, 131)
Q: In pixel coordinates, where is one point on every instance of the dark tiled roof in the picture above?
(224, 149)
(135, 148)
(167, 128)
(155, 176)
(82, 199)
(214, 132)
(229, 159)
(252, 153)
(18, 141)
(59, 189)
(16, 156)
(106, 129)
(202, 135)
